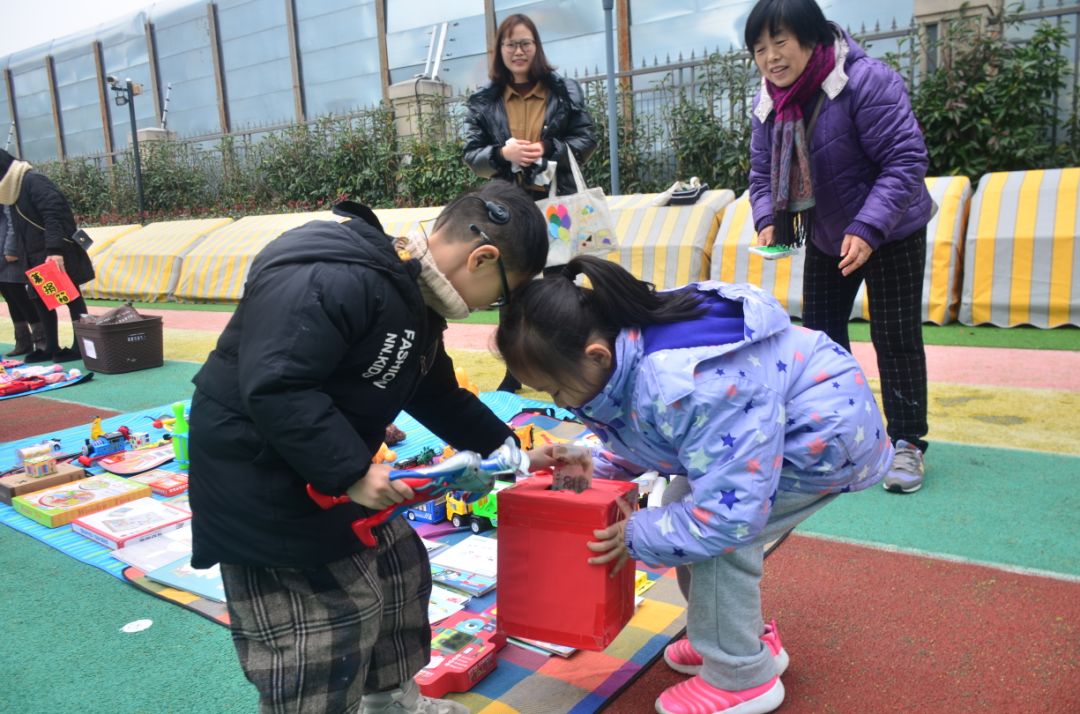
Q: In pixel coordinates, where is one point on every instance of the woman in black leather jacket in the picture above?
(520, 72)
(525, 118)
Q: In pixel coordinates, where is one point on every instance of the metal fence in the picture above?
(724, 81)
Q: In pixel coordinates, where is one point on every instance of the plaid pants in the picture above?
(315, 639)
(894, 287)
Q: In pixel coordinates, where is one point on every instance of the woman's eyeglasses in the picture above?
(515, 45)
(504, 300)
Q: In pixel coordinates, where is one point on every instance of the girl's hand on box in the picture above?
(376, 491)
(612, 541)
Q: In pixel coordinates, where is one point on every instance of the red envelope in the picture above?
(52, 284)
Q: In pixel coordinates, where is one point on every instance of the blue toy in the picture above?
(464, 471)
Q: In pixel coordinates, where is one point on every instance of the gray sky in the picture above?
(27, 23)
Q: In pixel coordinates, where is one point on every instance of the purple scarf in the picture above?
(792, 188)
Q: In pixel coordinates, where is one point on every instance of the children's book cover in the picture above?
(180, 501)
(180, 575)
(164, 483)
(444, 602)
(475, 555)
(159, 551)
(472, 583)
(136, 461)
(60, 505)
(129, 523)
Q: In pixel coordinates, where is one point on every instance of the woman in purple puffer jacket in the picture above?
(838, 162)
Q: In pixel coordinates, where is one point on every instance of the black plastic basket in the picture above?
(124, 347)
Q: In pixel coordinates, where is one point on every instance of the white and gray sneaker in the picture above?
(907, 470)
(407, 698)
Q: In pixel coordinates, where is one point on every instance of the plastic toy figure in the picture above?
(180, 435)
(465, 471)
(105, 445)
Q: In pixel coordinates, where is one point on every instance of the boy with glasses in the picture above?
(340, 328)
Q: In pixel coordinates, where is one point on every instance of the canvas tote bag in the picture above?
(577, 223)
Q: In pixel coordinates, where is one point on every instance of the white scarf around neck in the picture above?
(439, 293)
(11, 184)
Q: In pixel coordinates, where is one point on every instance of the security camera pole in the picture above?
(125, 94)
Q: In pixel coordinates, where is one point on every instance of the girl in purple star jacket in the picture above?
(768, 421)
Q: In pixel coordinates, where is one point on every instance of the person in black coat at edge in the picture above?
(525, 118)
(44, 224)
(13, 289)
(341, 327)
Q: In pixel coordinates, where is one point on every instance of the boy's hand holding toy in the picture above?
(391, 491)
(377, 490)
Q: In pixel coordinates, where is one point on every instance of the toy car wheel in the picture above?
(479, 525)
(456, 520)
(410, 515)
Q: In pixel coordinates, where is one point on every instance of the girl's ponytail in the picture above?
(549, 322)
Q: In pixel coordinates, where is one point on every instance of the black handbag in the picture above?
(77, 263)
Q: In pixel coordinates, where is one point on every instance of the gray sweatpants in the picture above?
(723, 619)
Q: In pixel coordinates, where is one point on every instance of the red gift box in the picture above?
(547, 589)
(52, 284)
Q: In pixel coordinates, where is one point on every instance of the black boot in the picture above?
(24, 342)
(68, 354)
(39, 356)
(37, 336)
(43, 351)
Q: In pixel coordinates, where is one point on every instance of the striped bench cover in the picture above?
(215, 269)
(145, 264)
(732, 262)
(668, 246)
(1022, 252)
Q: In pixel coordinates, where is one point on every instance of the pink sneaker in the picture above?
(696, 696)
(682, 657)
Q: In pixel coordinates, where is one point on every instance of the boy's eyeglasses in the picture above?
(515, 45)
(505, 299)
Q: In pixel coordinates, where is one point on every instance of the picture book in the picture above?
(476, 554)
(162, 549)
(129, 523)
(135, 461)
(180, 501)
(543, 647)
(60, 505)
(164, 483)
(180, 575)
(444, 603)
(471, 583)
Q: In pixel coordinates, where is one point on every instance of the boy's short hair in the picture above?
(508, 216)
(803, 18)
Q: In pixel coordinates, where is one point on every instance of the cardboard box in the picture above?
(547, 589)
(60, 505)
(19, 483)
(164, 483)
(129, 523)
